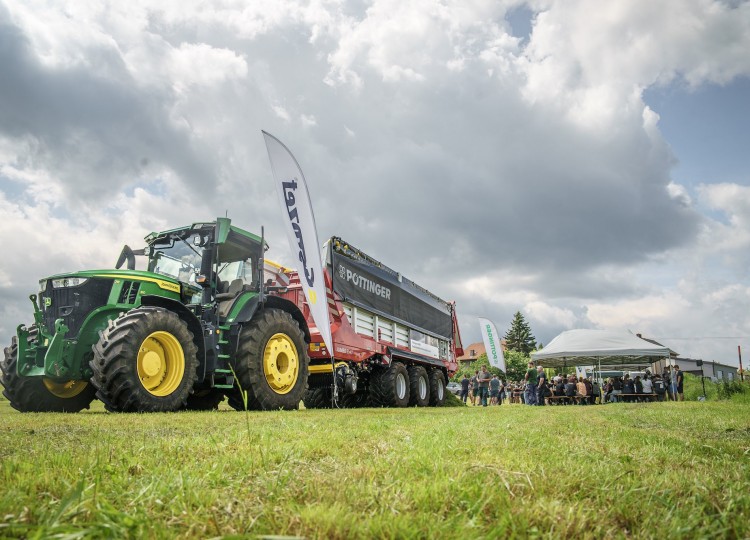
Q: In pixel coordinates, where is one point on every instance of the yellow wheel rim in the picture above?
(281, 363)
(65, 390)
(161, 363)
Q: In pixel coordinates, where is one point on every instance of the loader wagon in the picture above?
(395, 343)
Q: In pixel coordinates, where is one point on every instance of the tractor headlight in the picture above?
(68, 282)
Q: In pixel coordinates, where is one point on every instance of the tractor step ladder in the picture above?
(228, 375)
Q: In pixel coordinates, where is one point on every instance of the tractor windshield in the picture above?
(180, 258)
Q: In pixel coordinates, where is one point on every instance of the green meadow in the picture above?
(667, 470)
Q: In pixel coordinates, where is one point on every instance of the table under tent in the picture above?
(600, 348)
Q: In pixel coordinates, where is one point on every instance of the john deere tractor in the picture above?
(198, 325)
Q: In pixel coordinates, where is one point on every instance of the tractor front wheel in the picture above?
(40, 394)
(271, 365)
(145, 361)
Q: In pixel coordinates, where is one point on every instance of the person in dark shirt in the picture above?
(465, 388)
(541, 385)
(677, 381)
(494, 389)
(589, 390)
(628, 387)
(570, 390)
(660, 388)
(531, 383)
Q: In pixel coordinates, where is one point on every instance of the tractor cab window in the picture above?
(180, 258)
(242, 270)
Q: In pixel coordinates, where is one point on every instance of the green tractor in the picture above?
(198, 325)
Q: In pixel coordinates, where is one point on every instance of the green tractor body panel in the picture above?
(72, 309)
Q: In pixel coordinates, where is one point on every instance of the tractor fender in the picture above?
(251, 307)
(193, 323)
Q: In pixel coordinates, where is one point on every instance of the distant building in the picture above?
(474, 351)
(712, 370)
(471, 353)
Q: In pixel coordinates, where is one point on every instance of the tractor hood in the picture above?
(75, 279)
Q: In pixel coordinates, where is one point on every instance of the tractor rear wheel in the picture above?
(419, 386)
(272, 364)
(389, 387)
(41, 394)
(318, 398)
(437, 388)
(145, 361)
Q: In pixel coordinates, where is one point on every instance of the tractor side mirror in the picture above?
(126, 254)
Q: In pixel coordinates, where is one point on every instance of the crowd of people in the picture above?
(486, 389)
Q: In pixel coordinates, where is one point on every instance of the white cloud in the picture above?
(550, 315)
(504, 173)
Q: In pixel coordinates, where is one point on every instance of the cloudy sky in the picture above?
(583, 162)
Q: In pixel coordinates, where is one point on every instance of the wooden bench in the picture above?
(557, 400)
(650, 397)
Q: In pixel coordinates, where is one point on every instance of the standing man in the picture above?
(677, 380)
(484, 385)
(474, 388)
(541, 386)
(494, 390)
(668, 382)
(464, 388)
(530, 393)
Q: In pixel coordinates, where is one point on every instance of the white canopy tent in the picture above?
(599, 347)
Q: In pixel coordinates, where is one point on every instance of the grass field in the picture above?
(662, 470)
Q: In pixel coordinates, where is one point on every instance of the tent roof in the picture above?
(603, 347)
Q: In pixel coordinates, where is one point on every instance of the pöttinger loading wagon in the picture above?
(395, 343)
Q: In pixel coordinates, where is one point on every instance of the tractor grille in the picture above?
(73, 304)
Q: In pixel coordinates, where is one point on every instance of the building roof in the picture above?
(478, 350)
(672, 354)
(472, 352)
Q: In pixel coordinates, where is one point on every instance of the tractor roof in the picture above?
(234, 243)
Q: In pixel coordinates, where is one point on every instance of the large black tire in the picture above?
(389, 387)
(355, 401)
(271, 363)
(419, 386)
(317, 398)
(437, 388)
(205, 400)
(39, 394)
(145, 361)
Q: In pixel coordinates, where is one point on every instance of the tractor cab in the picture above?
(214, 261)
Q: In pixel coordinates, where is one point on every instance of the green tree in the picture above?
(519, 337)
(516, 364)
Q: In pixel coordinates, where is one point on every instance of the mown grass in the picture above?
(665, 470)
